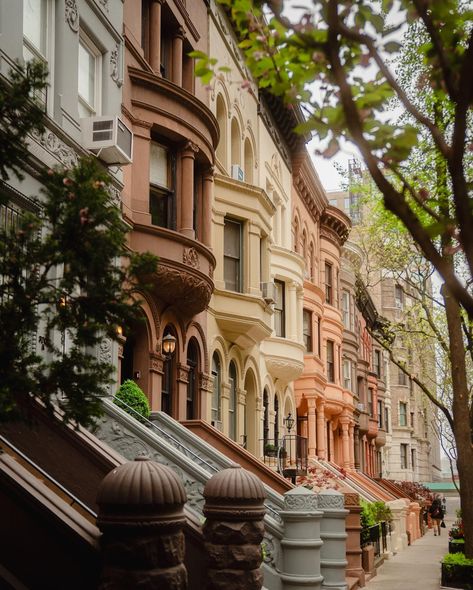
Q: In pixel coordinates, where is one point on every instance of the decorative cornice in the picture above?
(336, 225)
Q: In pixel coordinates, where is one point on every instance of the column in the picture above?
(330, 434)
(155, 36)
(148, 522)
(291, 305)
(177, 44)
(333, 560)
(207, 200)
(253, 267)
(187, 187)
(182, 383)
(312, 419)
(301, 542)
(356, 434)
(321, 431)
(345, 442)
(233, 530)
(351, 431)
(155, 380)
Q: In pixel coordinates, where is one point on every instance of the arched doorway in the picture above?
(135, 361)
(192, 401)
(216, 410)
(232, 402)
(265, 417)
(168, 384)
(251, 416)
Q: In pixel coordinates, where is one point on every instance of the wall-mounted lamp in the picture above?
(119, 331)
(289, 422)
(169, 345)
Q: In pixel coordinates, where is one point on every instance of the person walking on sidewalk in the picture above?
(437, 514)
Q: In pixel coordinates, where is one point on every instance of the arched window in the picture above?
(265, 418)
(192, 383)
(216, 413)
(169, 370)
(236, 144)
(232, 403)
(249, 162)
(222, 124)
(276, 420)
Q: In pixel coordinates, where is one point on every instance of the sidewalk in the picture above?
(418, 566)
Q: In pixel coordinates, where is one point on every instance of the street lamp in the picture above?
(169, 345)
(289, 422)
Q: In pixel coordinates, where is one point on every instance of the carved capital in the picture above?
(183, 373)
(352, 499)
(156, 362)
(300, 500)
(206, 382)
(72, 15)
(330, 500)
(190, 150)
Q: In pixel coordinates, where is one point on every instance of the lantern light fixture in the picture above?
(169, 345)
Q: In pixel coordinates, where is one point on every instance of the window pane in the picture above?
(87, 63)
(158, 165)
(34, 22)
(232, 239)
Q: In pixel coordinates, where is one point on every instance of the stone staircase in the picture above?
(194, 460)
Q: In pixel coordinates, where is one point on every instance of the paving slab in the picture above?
(418, 566)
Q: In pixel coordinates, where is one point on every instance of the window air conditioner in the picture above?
(237, 173)
(360, 407)
(269, 292)
(109, 138)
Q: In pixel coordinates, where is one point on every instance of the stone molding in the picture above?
(300, 500)
(72, 15)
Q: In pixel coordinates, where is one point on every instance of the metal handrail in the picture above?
(178, 442)
(48, 477)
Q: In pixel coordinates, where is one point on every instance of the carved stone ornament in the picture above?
(105, 351)
(300, 500)
(330, 500)
(104, 3)
(191, 257)
(72, 15)
(352, 499)
(62, 152)
(188, 291)
(115, 66)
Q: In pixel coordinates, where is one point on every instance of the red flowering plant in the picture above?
(415, 490)
(319, 478)
(457, 532)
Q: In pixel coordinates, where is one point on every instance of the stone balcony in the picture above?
(184, 277)
(284, 358)
(243, 318)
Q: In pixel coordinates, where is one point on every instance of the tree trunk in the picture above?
(461, 416)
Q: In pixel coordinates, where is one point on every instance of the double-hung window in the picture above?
(330, 361)
(346, 311)
(347, 374)
(279, 309)
(402, 414)
(307, 329)
(232, 250)
(89, 77)
(404, 455)
(328, 283)
(161, 186)
(37, 35)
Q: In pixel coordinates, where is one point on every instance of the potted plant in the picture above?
(457, 571)
(270, 450)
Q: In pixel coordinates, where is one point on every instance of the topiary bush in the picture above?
(134, 400)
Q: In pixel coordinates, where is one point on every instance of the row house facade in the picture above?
(404, 446)
(82, 47)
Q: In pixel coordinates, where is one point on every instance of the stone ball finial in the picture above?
(140, 490)
(237, 492)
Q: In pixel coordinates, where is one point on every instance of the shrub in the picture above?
(456, 559)
(134, 398)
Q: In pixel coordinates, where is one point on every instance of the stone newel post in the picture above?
(301, 542)
(333, 559)
(141, 517)
(233, 530)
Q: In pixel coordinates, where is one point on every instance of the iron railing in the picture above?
(376, 535)
(289, 455)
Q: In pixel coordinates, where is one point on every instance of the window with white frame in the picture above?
(35, 29)
(346, 310)
(402, 414)
(280, 309)
(89, 77)
(307, 329)
(232, 255)
(347, 374)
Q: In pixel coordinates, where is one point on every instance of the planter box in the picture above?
(456, 547)
(457, 576)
